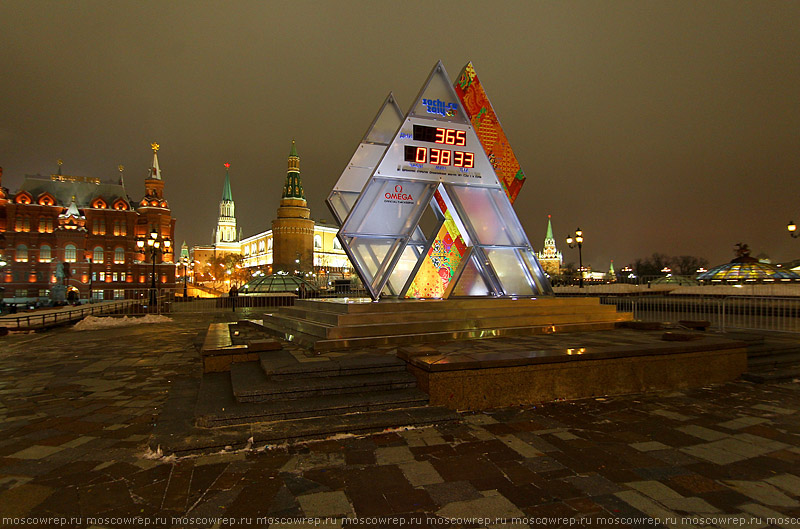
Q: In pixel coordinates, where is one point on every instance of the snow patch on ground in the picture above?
(90, 323)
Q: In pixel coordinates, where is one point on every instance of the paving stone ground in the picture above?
(77, 409)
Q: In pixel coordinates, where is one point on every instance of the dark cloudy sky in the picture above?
(655, 126)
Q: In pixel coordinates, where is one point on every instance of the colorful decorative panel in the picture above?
(479, 109)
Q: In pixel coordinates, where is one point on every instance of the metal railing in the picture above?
(761, 313)
(51, 317)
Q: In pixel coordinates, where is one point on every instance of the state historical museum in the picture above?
(82, 233)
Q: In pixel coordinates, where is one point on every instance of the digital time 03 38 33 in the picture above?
(436, 156)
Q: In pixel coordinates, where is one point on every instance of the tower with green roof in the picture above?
(226, 233)
(293, 229)
(550, 258)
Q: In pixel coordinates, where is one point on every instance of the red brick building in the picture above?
(82, 233)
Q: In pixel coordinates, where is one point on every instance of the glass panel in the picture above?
(470, 282)
(536, 272)
(369, 255)
(404, 267)
(512, 275)
(367, 157)
(490, 214)
(388, 207)
(341, 202)
(386, 122)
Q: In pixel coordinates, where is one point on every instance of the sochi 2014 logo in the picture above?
(437, 106)
(398, 196)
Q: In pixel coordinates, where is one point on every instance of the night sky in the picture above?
(668, 127)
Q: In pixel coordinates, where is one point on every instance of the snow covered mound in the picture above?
(90, 323)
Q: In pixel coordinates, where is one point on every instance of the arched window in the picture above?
(336, 244)
(44, 254)
(22, 254)
(97, 255)
(70, 253)
(119, 256)
(318, 242)
(269, 244)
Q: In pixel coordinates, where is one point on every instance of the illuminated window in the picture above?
(120, 227)
(119, 293)
(99, 226)
(26, 225)
(102, 276)
(114, 277)
(97, 255)
(261, 245)
(336, 244)
(45, 225)
(122, 276)
(97, 294)
(317, 242)
(70, 253)
(119, 256)
(45, 254)
(22, 254)
(18, 224)
(269, 244)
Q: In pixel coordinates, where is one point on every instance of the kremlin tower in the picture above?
(550, 258)
(293, 229)
(225, 235)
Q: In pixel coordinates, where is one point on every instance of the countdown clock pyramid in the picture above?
(381, 233)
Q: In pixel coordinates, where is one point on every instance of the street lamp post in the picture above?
(185, 262)
(154, 247)
(577, 240)
(792, 229)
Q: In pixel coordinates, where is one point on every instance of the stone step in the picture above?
(769, 349)
(217, 407)
(327, 318)
(392, 327)
(320, 344)
(251, 384)
(790, 372)
(366, 305)
(282, 365)
(761, 363)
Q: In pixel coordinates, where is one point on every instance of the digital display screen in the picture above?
(435, 156)
(440, 135)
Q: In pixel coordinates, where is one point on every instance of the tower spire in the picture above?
(155, 171)
(549, 229)
(293, 187)
(226, 188)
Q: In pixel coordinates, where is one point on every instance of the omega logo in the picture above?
(398, 195)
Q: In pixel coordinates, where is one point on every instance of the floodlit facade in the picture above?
(81, 233)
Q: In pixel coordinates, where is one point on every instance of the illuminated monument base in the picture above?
(330, 324)
(437, 339)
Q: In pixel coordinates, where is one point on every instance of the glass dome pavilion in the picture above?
(747, 269)
(263, 284)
